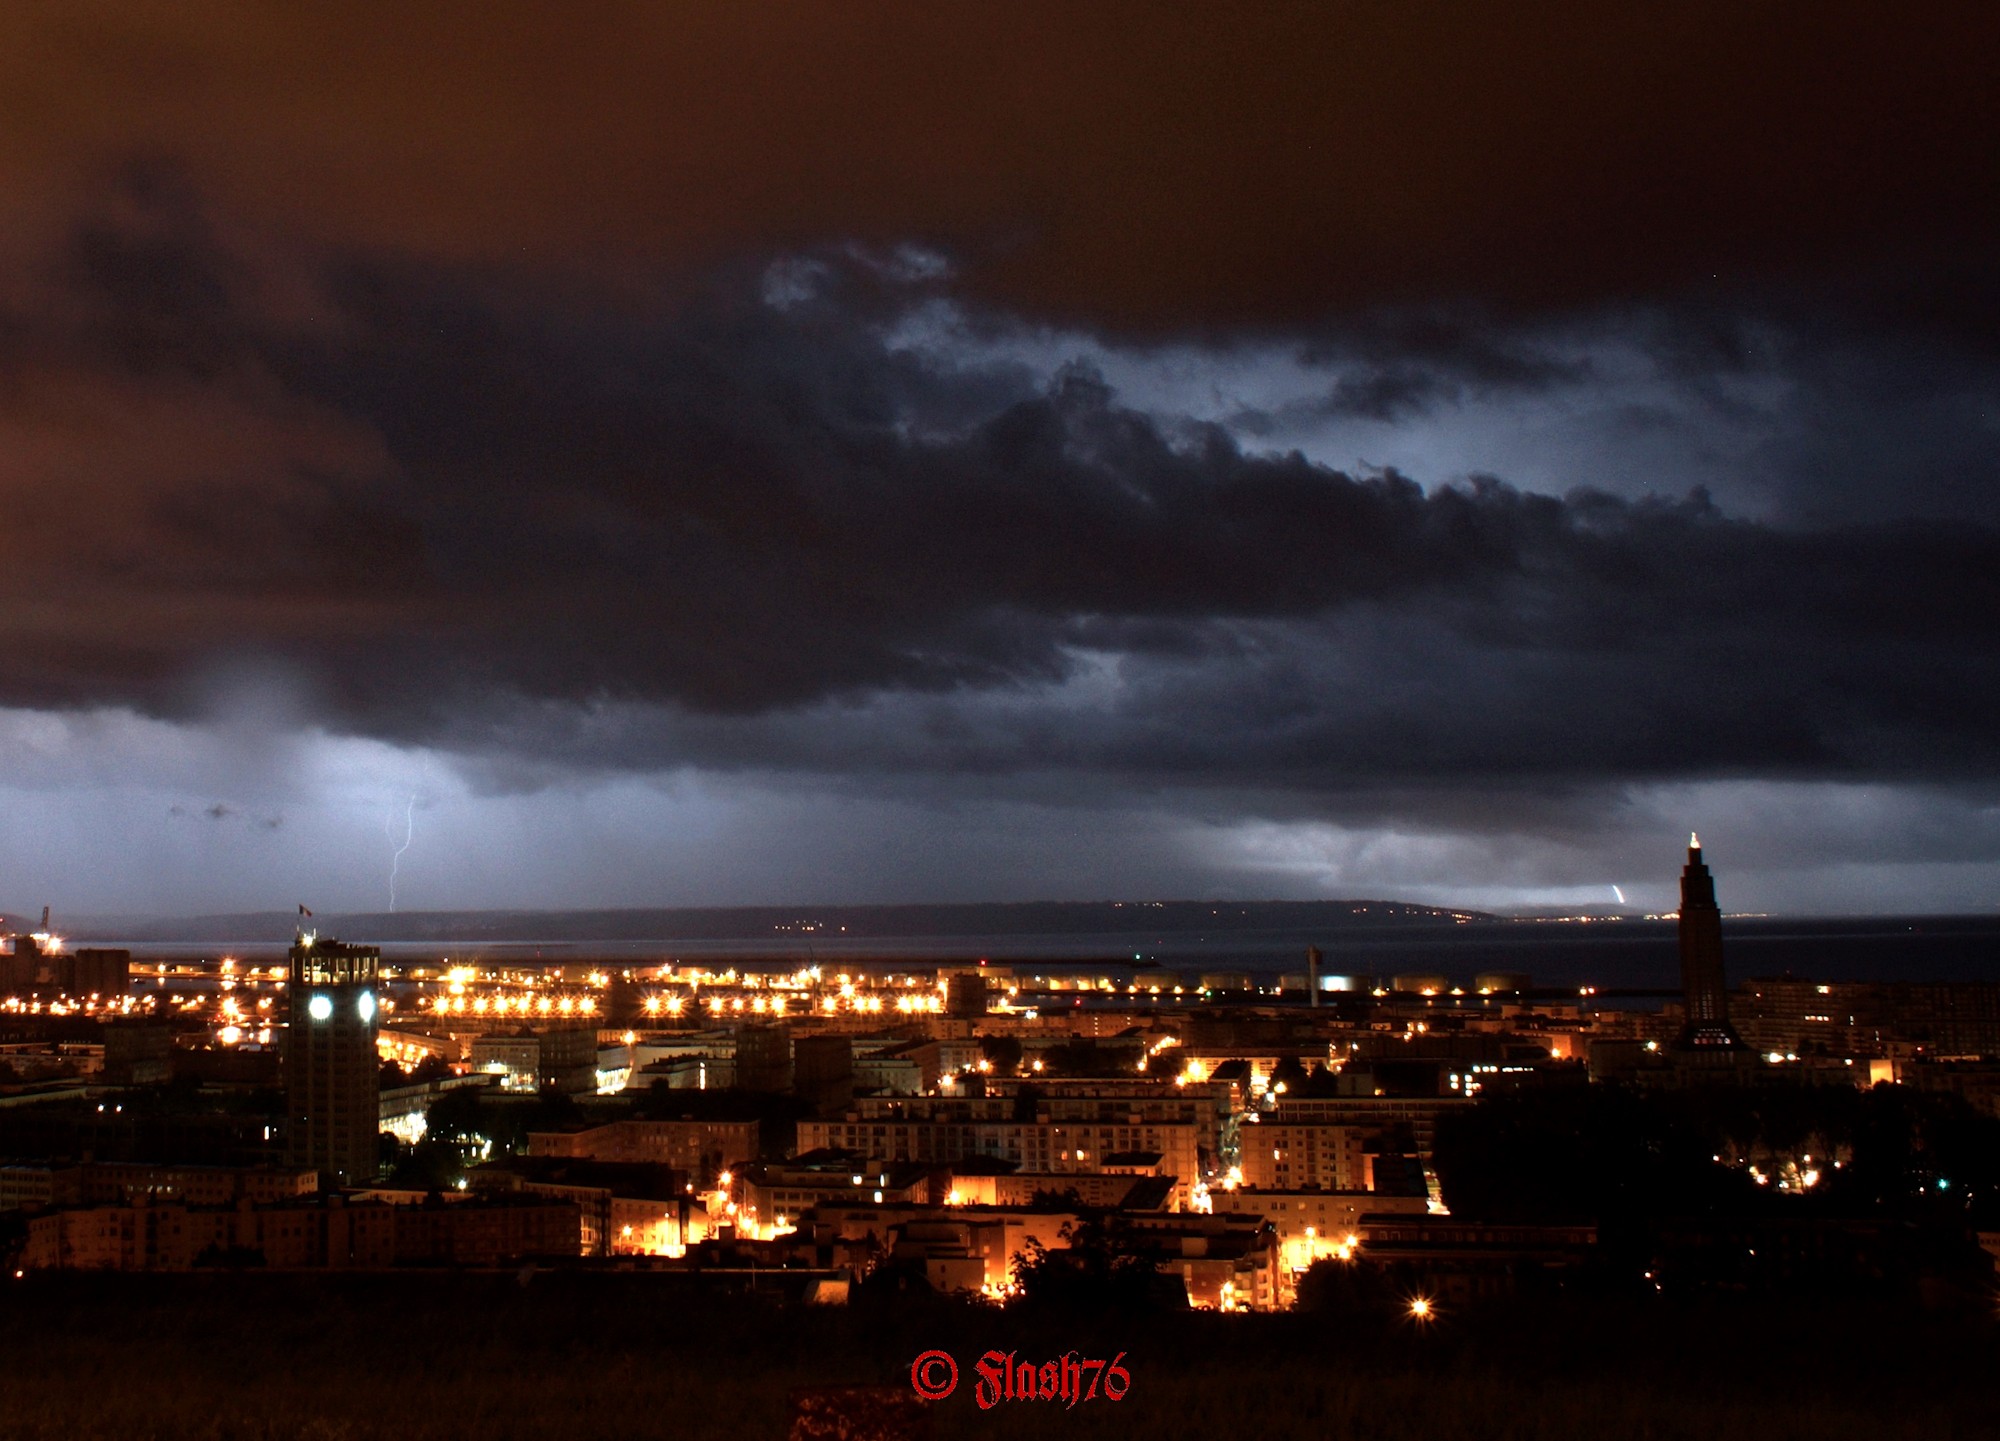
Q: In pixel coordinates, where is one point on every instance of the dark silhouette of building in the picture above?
(40, 963)
(623, 1003)
(303, 1233)
(95, 971)
(1707, 1026)
(965, 995)
(567, 1059)
(763, 1058)
(138, 1052)
(331, 1066)
(823, 1072)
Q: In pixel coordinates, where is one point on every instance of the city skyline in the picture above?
(913, 721)
(764, 458)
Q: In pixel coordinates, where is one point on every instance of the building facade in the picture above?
(702, 1149)
(331, 1067)
(1082, 1145)
(1285, 1156)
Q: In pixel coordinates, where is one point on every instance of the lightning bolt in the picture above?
(409, 834)
(1618, 893)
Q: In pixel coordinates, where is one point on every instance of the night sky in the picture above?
(679, 454)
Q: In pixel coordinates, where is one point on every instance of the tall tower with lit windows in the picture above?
(331, 1068)
(1707, 1026)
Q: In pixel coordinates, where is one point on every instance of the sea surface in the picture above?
(1620, 954)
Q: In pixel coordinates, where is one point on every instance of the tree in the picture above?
(429, 1165)
(1610, 1153)
(1003, 1053)
(1048, 1199)
(1084, 1057)
(1289, 1073)
(1099, 1267)
(1347, 1288)
(1592, 1153)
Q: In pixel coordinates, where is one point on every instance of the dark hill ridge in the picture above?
(793, 923)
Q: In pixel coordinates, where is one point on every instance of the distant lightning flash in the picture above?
(409, 834)
(1618, 893)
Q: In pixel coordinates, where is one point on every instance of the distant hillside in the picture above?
(793, 924)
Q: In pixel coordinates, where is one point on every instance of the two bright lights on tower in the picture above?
(320, 1008)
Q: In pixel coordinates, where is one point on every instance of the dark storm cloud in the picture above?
(741, 527)
(1446, 346)
(1125, 165)
(524, 383)
(1392, 365)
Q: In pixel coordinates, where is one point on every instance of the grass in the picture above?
(413, 1357)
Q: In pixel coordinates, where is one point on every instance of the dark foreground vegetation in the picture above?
(554, 1357)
